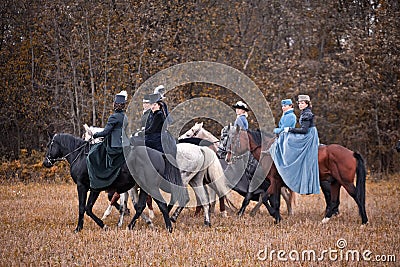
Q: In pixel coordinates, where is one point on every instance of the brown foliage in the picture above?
(61, 63)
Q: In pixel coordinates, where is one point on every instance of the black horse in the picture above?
(143, 162)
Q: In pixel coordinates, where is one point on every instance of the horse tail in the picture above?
(361, 178)
(217, 176)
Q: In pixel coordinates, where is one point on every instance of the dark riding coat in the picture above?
(153, 129)
(106, 158)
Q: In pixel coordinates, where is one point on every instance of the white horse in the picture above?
(198, 131)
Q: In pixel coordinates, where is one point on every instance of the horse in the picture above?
(113, 197)
(74, 150)
(337, 165)
(140, 161)
(241, 187)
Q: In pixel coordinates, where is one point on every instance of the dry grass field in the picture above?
(37, 222)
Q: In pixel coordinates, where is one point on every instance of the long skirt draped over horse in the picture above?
(104, 163)
(296, 159)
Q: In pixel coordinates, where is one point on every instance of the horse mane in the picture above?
(196, 141)
(257, 135)
(70, 141)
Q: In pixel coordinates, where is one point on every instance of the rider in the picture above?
(158, 138)
(295, 152)
(154, 123)
(105, 158)
(241, 110)
(288, 118)
(146, 111)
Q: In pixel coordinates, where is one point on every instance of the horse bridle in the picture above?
(237, 144)
(52, 161)
(195, 133)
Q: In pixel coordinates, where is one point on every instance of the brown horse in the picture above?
(337, 165)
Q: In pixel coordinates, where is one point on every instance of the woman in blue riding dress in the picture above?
(288, 118)
(295, 152)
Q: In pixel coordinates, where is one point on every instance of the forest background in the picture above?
(61, 63)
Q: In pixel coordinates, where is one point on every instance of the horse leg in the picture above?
(139, 207)
(287, 197)
(245, 203)
(222, 207)
(182, 196)
(326, 190)
(274, 191)
(133, 193)
(335, 197)
(199, 207)
(265, 200)
(212, 196)
(164, 210)
(110, 196)
(82, 195)
(123, 208)
(201, 193)
(113, 198)
(256, 208)
(89, 208)
(149, 202)
(183, 200)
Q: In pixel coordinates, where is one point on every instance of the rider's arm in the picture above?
(156, 123)
(303, 129)
(112, 121)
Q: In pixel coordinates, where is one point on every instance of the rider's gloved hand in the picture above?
(286, 129)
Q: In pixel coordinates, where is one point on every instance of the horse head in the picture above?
(53, 152)
(192, 132)
(63, 147)
(237, 143)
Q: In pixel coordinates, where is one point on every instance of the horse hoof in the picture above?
(325, 220)
(207, 223)
(169, 229)
(363, 225)
(106, 228)
(173, 219)
(224, 214)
